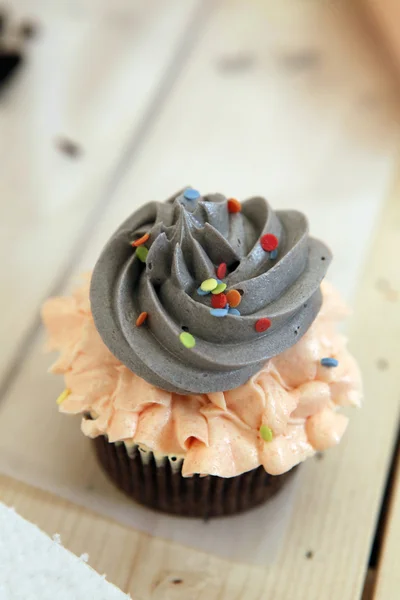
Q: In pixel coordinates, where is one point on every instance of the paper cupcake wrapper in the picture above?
(158, 483)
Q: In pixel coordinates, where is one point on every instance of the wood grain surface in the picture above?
(241, 96)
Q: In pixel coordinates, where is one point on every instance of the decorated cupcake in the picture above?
(203, 353)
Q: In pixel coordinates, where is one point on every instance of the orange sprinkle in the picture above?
(234, 205)
(141, 240)
(234, 298)
(141, 319)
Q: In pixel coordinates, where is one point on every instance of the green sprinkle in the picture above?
(221, 287)
(141, 253)
(266, 433)
(187, 339)
(209, 285)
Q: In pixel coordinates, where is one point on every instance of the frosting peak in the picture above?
(189, 236)
(294, 395)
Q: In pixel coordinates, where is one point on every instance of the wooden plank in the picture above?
(388, 575)
(81, 101)
(336, 506)
(384, 17)
(338, 501)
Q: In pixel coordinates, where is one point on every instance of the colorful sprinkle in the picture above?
(269, 242)
(262, 325)
(234, 312)
(234, 298)
(219, 312)
(191, 194)
(219, 301)
(141, 253)
(221, 287)
(187, 339)
(141, 240)
(202, 292)
(141, 319)
(273, 254)
(209, 285)
(63, 396)
(221, 271)
(329, 362)
(234, 205)
(266, 433)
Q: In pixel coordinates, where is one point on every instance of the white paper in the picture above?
(34, 567)
(53, 454)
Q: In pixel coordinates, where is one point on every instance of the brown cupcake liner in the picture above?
(159, 484)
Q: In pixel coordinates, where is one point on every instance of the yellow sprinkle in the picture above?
(209, 285)
(63, 396)
(266, 433)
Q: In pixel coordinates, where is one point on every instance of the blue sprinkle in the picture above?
(219, 281)
(191, 194)
(274, 253)
(329, 362)
(234, 312)
(202, 292)
(218, 312)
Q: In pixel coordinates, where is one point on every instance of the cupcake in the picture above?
(203, 353)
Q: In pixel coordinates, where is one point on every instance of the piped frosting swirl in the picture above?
(189, 236)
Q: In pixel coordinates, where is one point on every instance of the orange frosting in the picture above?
(216, 433)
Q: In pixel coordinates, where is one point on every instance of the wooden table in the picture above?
(114, 106)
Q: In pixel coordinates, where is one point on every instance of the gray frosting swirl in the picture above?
(188, 239)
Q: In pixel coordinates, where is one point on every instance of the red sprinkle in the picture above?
(221, 271)
(141, 319)
(234, 205)
(219, 301)
(262, 325)
(141, 240)
(269, 242)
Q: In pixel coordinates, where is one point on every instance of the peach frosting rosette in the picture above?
(295, 397)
